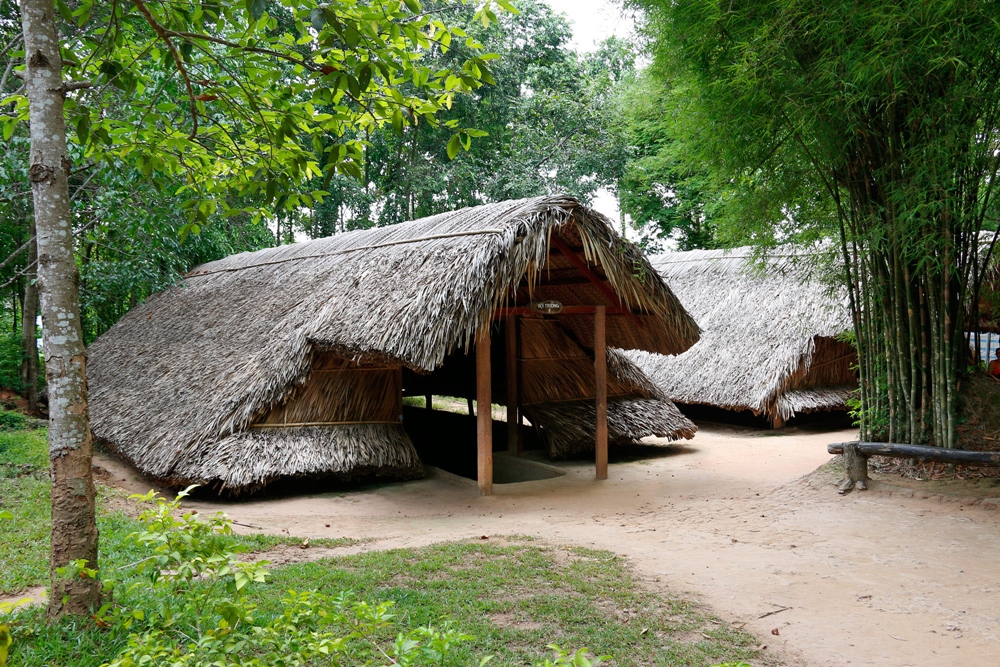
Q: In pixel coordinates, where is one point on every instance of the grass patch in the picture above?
(517, 597)
(513, 594)
(24, 541)
(458, 406)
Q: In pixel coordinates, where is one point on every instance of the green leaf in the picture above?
(397, 122)
(317, 17)
(64, 11)
(413, 6)
(364, 76)
(454, 145)
(509, 7)
(352, 36)
(83, 128)
(353, 86)
(257, 8)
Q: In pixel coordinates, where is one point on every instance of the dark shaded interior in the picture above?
(826, 419)
(447, 440)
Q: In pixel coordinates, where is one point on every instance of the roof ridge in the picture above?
(345, 251)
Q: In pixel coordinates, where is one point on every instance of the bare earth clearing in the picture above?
(739, 518)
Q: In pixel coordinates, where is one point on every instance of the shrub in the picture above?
(12, 421)
(10, 362)
(203, 617)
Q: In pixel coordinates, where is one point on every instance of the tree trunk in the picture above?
(29, 346)
(74, 529)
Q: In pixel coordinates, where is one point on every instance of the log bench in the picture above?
(856, 458)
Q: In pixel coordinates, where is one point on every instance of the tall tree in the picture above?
(892, 108)
(544, 120)
(668, 195)
(74, 528)
(29, 324)
(251, 77)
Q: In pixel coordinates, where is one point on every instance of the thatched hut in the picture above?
(769, 341)
(292, 361)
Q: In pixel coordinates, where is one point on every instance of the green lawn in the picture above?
(513, 594)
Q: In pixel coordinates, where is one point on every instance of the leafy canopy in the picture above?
(253, 98)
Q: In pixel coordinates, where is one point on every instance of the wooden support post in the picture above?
(512, 407)
(601, 385)
(855, 469)
(484, 418)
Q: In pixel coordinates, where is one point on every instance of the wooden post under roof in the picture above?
(397, 377)
(512, 407)
(601, 386)
(484, 416)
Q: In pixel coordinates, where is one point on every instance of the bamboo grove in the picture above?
(888, 111)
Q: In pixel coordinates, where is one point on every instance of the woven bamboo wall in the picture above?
(832, 364)
(340, 392)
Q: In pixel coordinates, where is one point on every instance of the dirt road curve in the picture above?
(738, 519)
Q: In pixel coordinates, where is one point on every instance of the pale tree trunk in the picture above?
(29, 312)
(74, 530)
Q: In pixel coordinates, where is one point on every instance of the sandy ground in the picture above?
(739, 519)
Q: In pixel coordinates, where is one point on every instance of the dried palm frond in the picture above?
(569, 428)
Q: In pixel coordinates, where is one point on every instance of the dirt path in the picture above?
(740, 520)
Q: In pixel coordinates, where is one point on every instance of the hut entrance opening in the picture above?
(546, 345)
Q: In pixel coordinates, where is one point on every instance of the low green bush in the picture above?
(12, 421)
(10, 362)
(203, 617)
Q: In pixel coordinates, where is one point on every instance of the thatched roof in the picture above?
(569, 428)
(763, 321)
(197, 363)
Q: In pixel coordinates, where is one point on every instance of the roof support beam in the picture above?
(484, 414)
(503, 313)
(592, 277)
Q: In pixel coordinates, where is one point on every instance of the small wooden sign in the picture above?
(547, 307)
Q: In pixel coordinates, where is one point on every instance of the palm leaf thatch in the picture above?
(569, 428)
(769, 335)
(205, 382)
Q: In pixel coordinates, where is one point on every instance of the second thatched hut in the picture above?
(770, 335)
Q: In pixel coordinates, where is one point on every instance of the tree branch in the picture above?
(164, 34)
(17, 38)
(20, 273)
(236, 45)
(6, 75)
